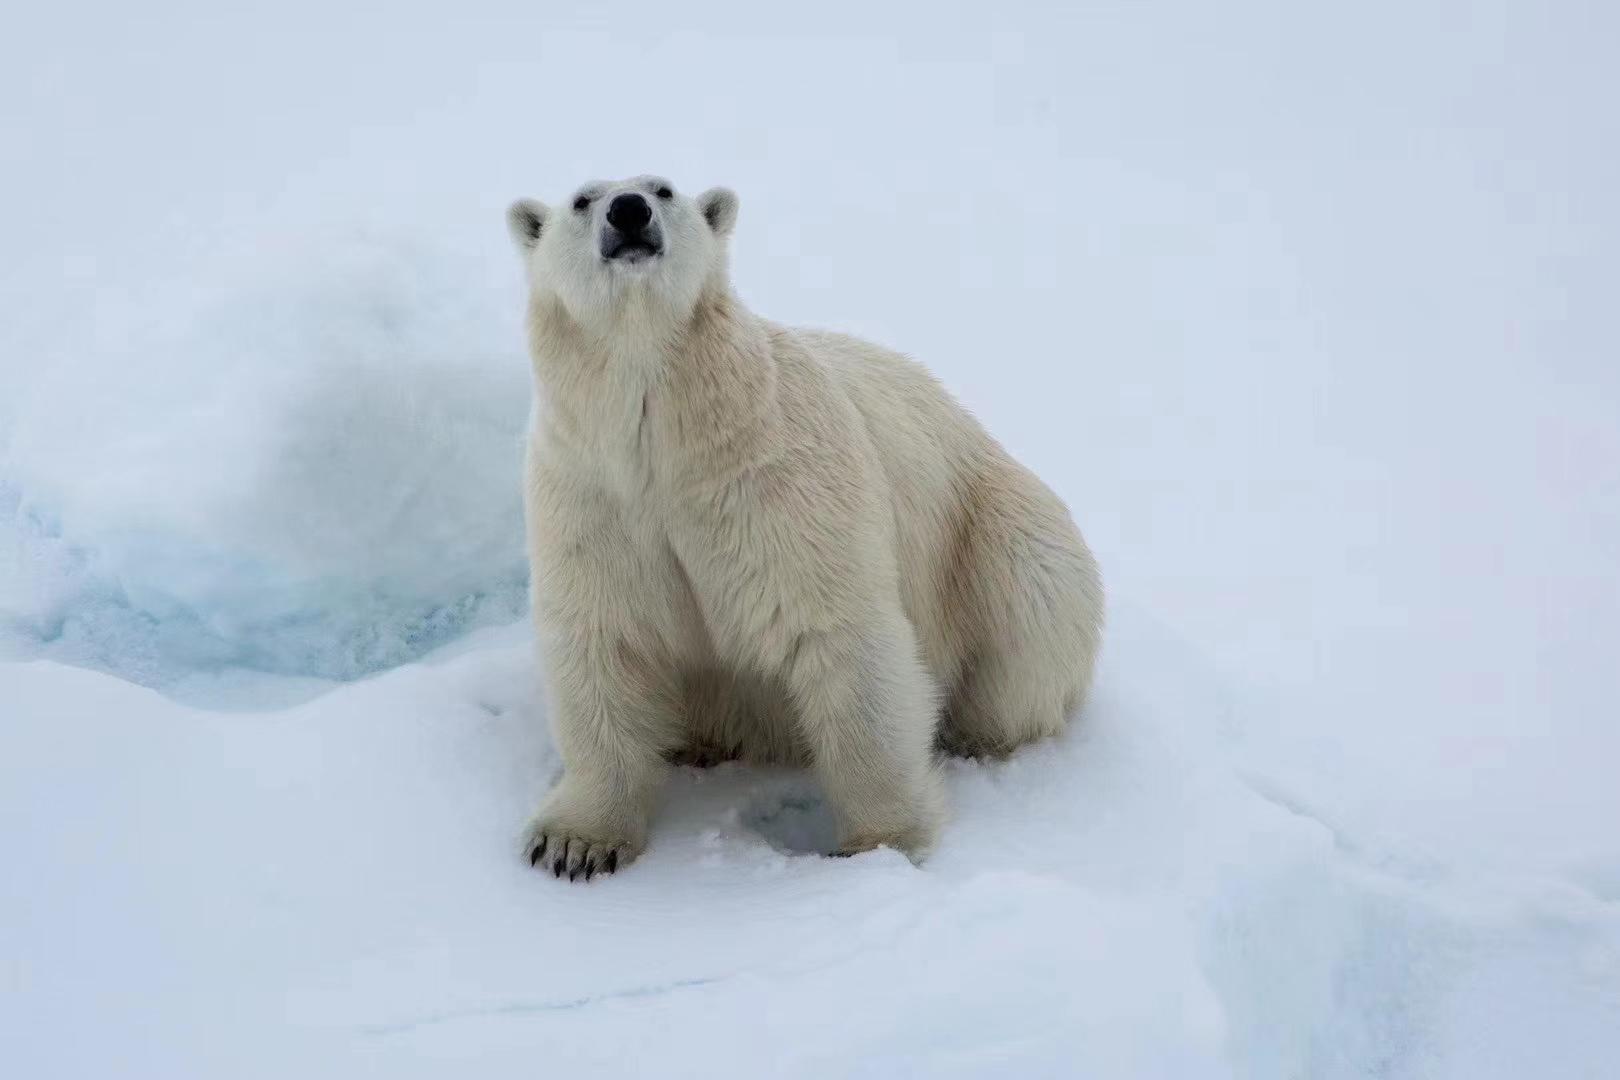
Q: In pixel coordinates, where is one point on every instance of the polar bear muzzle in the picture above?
(630, 233)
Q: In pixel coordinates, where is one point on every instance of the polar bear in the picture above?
(756, 542)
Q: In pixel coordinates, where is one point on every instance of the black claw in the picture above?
(612, 862)
(590, 870)
(540, 852)
(534, 856)
(573, 872)
(557, 867)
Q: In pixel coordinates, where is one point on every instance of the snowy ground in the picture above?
(336, 885)
(1308, 316)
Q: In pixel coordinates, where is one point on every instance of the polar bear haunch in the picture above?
(759, 542)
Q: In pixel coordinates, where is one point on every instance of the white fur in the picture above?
(751, 541)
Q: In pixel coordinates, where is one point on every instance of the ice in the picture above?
(1307, 314)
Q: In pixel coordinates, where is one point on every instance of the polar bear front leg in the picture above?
(612, 688)
(868, 711)
(614, 714)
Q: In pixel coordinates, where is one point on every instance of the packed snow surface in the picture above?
(1307, 314)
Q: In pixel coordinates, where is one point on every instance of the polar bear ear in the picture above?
(719, 206)
(525, 218)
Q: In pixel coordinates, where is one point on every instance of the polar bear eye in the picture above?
(664, 193)
(582, 203)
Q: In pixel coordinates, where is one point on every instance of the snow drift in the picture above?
(313, 472)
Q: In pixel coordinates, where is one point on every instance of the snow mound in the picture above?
(311, 471)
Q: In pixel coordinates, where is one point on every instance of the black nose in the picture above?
(629, 214)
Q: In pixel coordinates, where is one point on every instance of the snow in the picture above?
(1305, 313)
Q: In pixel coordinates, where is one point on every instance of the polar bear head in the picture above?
(630, 246)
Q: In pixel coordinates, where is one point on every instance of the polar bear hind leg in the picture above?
(1032, 615)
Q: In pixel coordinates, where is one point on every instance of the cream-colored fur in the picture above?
(751, 541)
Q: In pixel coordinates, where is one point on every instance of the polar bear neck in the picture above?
(706, 382)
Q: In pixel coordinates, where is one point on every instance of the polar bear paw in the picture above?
(565, 851)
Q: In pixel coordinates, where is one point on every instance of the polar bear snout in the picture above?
(630, 232)
(629, 213)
